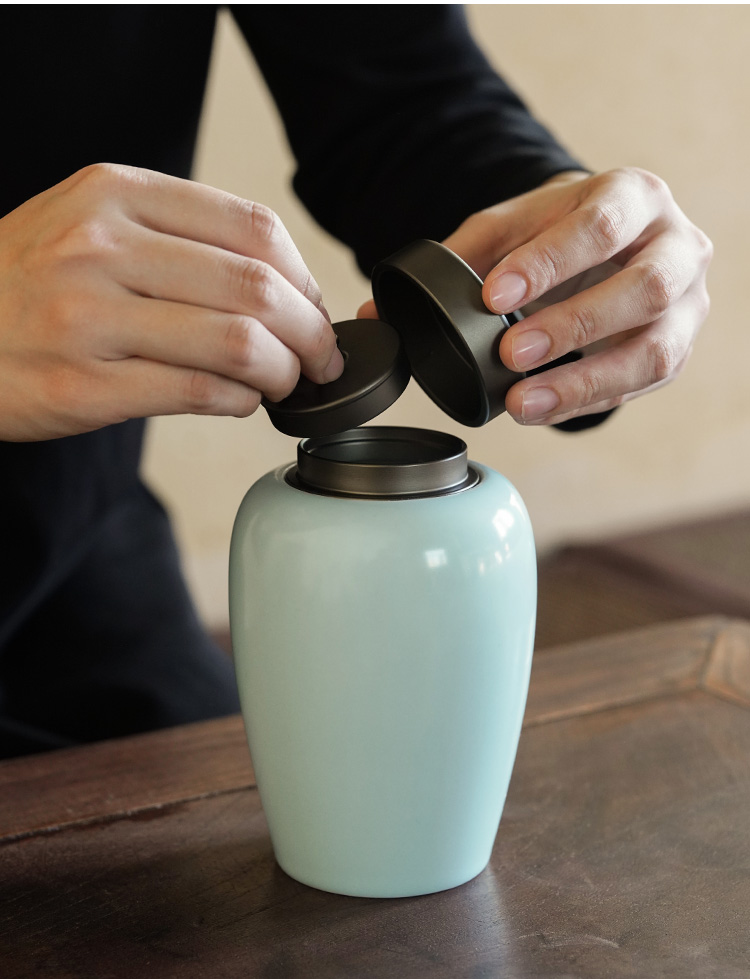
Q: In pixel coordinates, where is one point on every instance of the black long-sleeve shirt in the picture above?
(399, 126)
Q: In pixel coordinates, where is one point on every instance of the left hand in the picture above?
(629, 273)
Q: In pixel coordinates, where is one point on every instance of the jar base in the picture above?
(396, 890)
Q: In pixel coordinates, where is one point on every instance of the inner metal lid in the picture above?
(376, 372)
(385, 462)
(452, 341)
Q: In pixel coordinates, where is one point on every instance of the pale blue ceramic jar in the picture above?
(383, 602)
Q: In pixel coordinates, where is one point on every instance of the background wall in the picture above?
(661, 87)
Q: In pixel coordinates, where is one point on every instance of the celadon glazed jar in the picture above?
(382, 605)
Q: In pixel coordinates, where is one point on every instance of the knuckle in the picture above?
(592, 388)
(202, 392)
(261, 223)
(246, 351)
(659, 288)
(653, 183)
(547, 269)
(240, 343)
(70, 320)
(63, 313)
(108, 176)
(606, 222)
(96, 174)
(662, 359)
(582, 326)
(90, 239)
(639, 179)
(251, 282)
(705, 246)
(703, 303)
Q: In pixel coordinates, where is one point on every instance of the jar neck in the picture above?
(382, 462)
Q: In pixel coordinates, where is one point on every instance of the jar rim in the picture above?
(386, 462)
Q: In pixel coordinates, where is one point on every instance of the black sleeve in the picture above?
(400, 127)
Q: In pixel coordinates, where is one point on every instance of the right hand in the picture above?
(126, 293)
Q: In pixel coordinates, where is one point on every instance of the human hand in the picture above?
(126, 293)
(621, 273)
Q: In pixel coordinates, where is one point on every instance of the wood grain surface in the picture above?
(110, 778)
(663, 574)
(623, 850)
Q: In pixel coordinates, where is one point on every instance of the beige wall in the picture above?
(662, 87)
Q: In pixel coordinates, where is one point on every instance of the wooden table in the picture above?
(624, 849)
(675, 571)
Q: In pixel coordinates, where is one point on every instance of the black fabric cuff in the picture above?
(584, 421)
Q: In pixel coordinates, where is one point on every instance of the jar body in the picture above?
(383, 651)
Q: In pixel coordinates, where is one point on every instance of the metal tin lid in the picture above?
(452, 340)
(376, 372)
(434, 325)
(383, 462)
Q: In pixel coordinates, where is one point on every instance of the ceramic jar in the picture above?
(383, 602)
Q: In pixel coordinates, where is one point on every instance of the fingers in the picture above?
(144, 388)
(232, 345)
(204, 276)
(80, 398)
(613, 214)
(128, 293)
(488, 236)
(633, 365)
(638, 294)
(607, 264)
(195, 212)
(367, 311)
(191, 244)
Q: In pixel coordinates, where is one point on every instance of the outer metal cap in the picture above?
(434, 300)
(375, 374)
(385, 462)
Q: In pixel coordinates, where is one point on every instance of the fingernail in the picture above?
(537, 403)
(507, 292)
(529, 348)
(335, 367)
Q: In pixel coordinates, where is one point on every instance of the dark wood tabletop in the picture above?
(624, 849)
